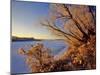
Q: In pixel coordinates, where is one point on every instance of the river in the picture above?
(18, 64)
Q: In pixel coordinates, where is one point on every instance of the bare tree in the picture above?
(38, 58)
(74, 22)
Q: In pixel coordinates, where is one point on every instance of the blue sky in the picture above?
(26, 17)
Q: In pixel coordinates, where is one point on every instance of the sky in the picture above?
(26, 18)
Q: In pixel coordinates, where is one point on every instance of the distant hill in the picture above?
(15, 38)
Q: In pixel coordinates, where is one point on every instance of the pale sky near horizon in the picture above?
(26, 17)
